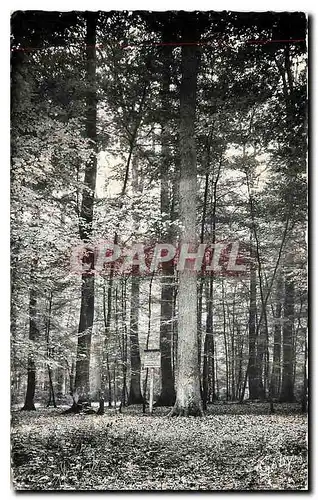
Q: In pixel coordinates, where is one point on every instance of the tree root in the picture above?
(190, 411)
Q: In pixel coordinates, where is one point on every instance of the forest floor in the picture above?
(234, 447)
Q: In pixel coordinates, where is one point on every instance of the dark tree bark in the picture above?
(208, 376)
(188, 394)
(82, 387)
(287, 390)
(105, 371)
(48, 349)
(124, 344)
(304, 398)
(276, 368)
(135, 396)
(33, 336)
(167, 396)
(255, 384)
(227, 394)
(208, 385)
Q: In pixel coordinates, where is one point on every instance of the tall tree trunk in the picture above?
(135, 396)
(208, 351)
(20, 98)
(188, 394)
(48, 353)
(227, 394)
(255, 342)
(167, 396)
(287, 390)
(124, 343)
(33, 336)
(82, 387)
(105, 372)
(305, 380)
(209, 347)
(276, 368)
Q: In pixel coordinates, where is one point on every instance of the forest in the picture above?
(135, 130)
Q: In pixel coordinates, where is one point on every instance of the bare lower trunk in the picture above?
(86, 216)
(287, 391)
(33, 336)
(188, 394)
(208, 353)
(82, 387)
(167, 396)
(135, 396)
(276, 368)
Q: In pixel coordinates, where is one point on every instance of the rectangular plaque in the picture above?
(151, 358)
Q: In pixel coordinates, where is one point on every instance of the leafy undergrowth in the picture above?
(130, 451)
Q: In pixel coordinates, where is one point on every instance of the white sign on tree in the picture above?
(152, 360)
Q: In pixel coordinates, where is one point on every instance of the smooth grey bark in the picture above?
(188, 394)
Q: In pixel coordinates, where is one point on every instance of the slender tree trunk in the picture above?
(135, 396)
(276, 368)
(188, 394)
(167, 396)
(33, 336)
(239, 361)
(225, 346)
(147, 345)
(287, 390)
(208, 340)
(125, 343)
(208, 350)
(48, 349)
(255, 348)
(82, 387)
(260, 352)
(208, 375)
(233, 347)
(305, 380)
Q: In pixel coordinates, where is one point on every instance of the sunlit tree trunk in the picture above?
(188, 394)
